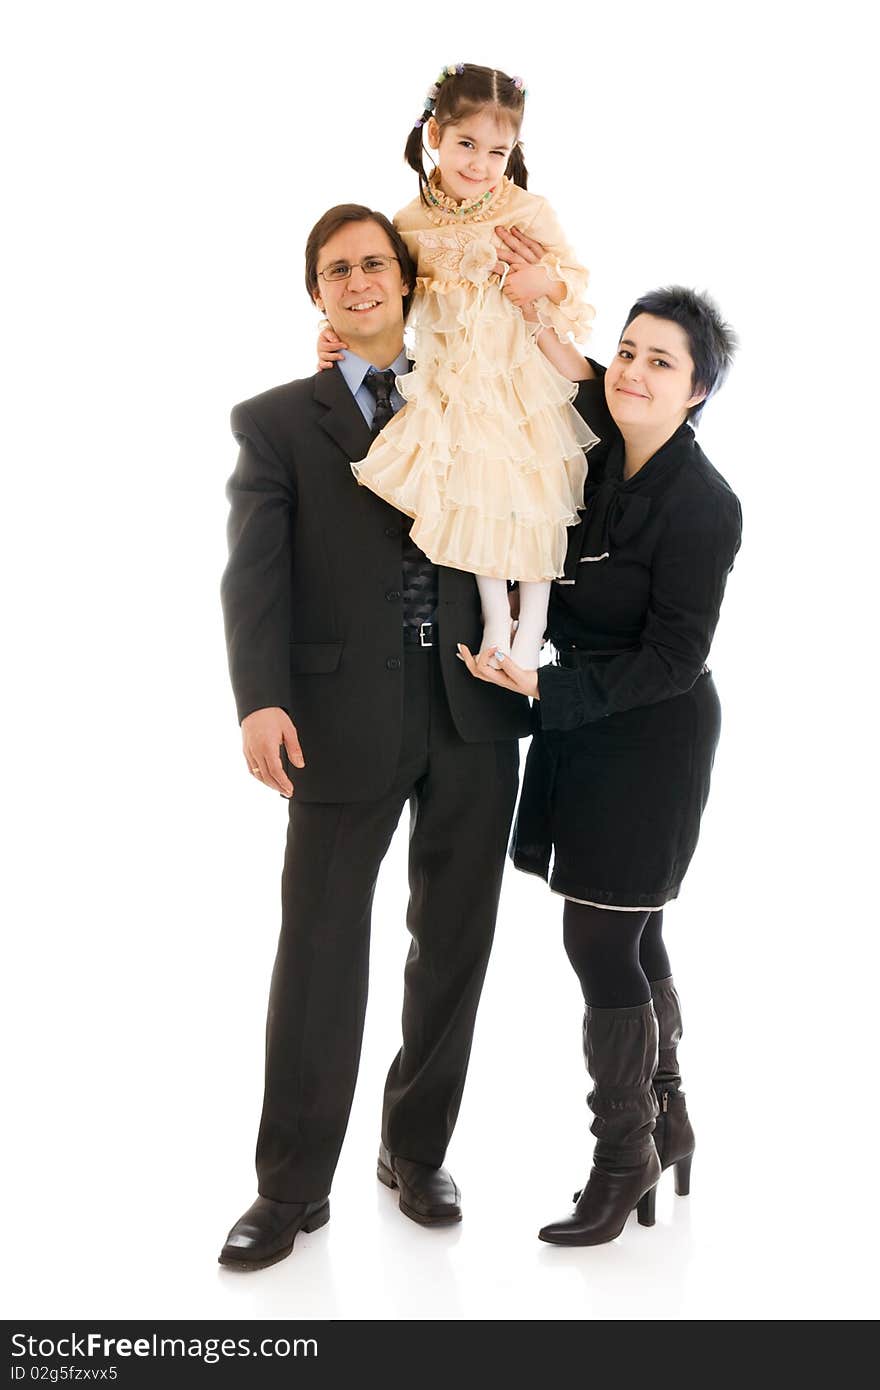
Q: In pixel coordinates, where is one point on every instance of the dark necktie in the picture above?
(419, 577)
(379, 385)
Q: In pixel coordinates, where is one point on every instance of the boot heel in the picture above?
(385, 1175)
(318, 1218)
(683, 1176)
(647, 1206)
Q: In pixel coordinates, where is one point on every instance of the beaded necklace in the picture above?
(442, 211)
(463, 209)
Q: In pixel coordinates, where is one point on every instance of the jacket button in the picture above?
(393, 663)
(393, 595)
(391, 532)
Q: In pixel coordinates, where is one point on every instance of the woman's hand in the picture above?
(330, 348)
(508, 675)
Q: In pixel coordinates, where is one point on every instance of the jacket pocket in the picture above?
(314, 658)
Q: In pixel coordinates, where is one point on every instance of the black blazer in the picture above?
(311, 596)
(644, 576)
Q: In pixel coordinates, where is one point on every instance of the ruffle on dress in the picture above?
(488, 456)
(574, 316)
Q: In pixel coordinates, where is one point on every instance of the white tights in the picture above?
(533, 600)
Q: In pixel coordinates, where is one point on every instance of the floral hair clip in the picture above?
(452, 70)
(520, 86)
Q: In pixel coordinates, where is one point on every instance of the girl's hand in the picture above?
(508, 675)
(330, 347)
(526, 283)
(517, 252)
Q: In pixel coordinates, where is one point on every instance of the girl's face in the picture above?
(472, 154)
(649, 385)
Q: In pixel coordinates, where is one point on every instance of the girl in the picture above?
(488, 456)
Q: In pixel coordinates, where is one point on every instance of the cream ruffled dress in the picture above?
(488, 454)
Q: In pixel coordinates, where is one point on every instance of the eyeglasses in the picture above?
(370, 265)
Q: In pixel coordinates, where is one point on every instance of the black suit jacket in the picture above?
(311, 596)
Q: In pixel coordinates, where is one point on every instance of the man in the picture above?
(342, 651)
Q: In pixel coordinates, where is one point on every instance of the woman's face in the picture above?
(649, 385)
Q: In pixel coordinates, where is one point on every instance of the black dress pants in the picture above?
(461, 804)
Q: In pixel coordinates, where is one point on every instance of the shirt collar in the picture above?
(654, 467)
(354, 368)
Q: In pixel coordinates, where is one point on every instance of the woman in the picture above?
(626, 724)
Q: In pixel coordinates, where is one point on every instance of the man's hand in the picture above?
(508, 675)
(517, 248)
(330, 348)
(521, 253)
(262, 734)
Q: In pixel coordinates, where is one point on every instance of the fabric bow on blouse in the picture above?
(613, 513)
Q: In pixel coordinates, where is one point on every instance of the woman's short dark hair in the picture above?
(338, 217)
(711, 341)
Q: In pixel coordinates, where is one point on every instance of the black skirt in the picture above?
(617, 802)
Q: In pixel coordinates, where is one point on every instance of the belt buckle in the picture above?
(430, 627)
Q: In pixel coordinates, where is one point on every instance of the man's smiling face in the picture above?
(368, 305)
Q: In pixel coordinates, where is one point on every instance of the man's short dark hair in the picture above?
(711, 341)
(335, 218)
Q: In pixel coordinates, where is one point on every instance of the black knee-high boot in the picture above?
(673, 1135)
(620, 1046)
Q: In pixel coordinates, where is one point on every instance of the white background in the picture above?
(165, 163)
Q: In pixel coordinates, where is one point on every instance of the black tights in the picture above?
(617, 956)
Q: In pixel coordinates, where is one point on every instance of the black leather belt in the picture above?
(421, 636)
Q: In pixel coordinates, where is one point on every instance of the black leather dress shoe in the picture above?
(427, 1195)
(266, 1232)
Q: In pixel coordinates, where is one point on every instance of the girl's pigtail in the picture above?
(412, 153)
(516, 167)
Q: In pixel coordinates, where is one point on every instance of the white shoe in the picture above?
(526, 652)
(496, 637)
